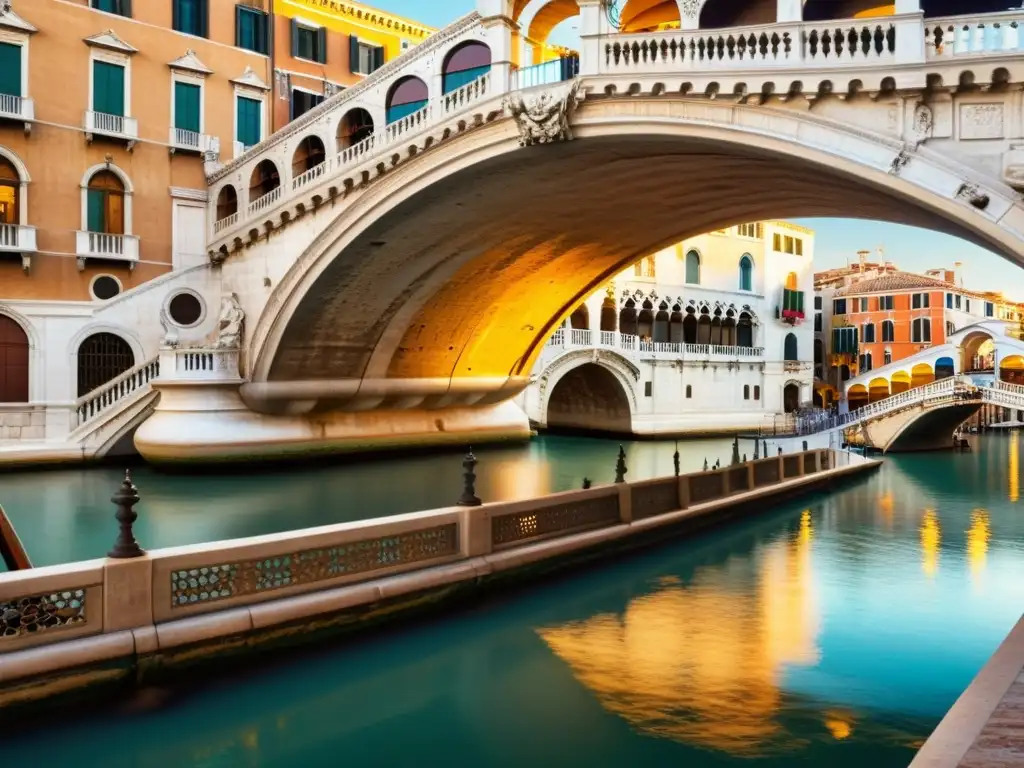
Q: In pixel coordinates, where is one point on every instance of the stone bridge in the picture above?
(397, 288)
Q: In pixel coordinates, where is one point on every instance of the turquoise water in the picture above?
(832, 631)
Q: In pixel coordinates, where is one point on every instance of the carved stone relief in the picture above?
(972, 195)
(689, 8)
(981, 121)
(924, 125)
(544, 119)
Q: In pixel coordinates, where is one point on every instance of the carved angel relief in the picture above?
(230, 324)
(544, 119)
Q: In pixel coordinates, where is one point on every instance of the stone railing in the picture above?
(205, 364)
(1004, 394)
(107, 397)
(982, 34)
(256, 582)
(634, 346)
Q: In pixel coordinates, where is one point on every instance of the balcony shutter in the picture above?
(378, 57)
(10, 69)
(204, 18)
(186, 106)
(126, 8)
(295, 38)
(95, 205)
(321, 45)
(108, 88)
(353, 54)
(260, 23)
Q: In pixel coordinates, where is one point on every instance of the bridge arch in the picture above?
(514, 265)
(587, 388)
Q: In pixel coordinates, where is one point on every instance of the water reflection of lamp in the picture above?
(1014, 469)
(839, 724)
(931, 537)
(977, 541)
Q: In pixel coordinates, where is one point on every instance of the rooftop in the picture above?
(898, 281)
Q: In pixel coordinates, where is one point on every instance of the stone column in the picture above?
(593, 24)
(689, 13)
(501, 35)
(909, 32)
(908, 6)
(788, 11)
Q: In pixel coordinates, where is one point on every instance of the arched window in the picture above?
(465, 63)
(704, 327)
(869, 333)
(921, 331)
(745, 331)
(105, 203)
(608, 317)
(408, 95)
(746, 391)
(580, 318)
(102, 357)
(227, 202)
(264, 180)
(355, 126)
(757, 392)
(309, 154)
(14, 355)
(690, 327)
(627, 318)
(888, 356)
(10, 192)
(729, 329)
(676, 333)
(661, 324)
(645, 321)
(791, 351)
(792, 283)
(746, 273)
(693, 268)
(689, 391)
(888, 331)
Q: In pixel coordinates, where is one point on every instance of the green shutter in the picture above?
(248, 121)
(321, 45)
(378, 57)
(96, 199)
(10, 69)
(260, 31)
(108, 88)
(186, 106)
(240, 23)
(295, 39)
(353, 54)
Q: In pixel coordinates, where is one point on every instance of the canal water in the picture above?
(830, 631)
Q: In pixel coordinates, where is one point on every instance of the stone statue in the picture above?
(170, 332)
(230, 324)
(544, 119)
(924, 124)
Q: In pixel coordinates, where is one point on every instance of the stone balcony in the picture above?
(111, 126)
(18, 108)
(633, 347)
(108, 247)
(18, 240)
(181, 140)
(200, 365)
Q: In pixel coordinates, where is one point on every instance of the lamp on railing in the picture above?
(469, 497)
(620, 466)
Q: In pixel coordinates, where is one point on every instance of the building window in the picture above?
(817, 321)
(967, 305)
(921, 330)
(105, 287)
(746, 391)
(363, 58)
(10, 192)
(303, 101)
(644, 267)
(864, 362)
(188, 100)
(751, 230)
(791, 352)
(888, 330)
(250, 29)
(776, 242)
(693, 268)
(885, 303)
(309, 43)
(990, 309)
(817, 302)
(648, 389)
(799, 246)
(920, 301)
(844, 341)
(839, 307)
(190, 17)
(888, 356)
(101, 358)
(949, 301)
(10, 70)
(746, 273)
(950, 328)
(787, 244)
(120, 7)
(689, 391)
(956, 300)
(107, 88)
(757, 392)
(249, 129)
(869, 333)
(105, 204)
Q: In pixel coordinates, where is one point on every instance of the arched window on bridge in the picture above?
(645, 321)
(102, 357)
(888, 331)
(627, 318)
(580, 318)
(14, 357)
(693, 268)
(899, 382)
(690, 326)
(878, 389)
(264, 180)
(227, 202)
(944, 368)
(308, 155)
(408, 95)
(356, 126)
(921, 374)
(661, 328)
(921, 331)
(745, 330)
(608, 315)
(465, 63)
(675, 325)
(791, 351)
(869, 333)
(746, 273)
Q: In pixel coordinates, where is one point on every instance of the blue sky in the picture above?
(838, 240)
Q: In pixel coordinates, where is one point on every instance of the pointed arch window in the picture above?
(791, 352)
(746, 273)
(888, 330)
(693, 268)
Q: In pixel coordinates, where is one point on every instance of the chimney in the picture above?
(862, 258)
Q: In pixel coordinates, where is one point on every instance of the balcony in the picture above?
(180, 364)
(18, 241)
(111, 126)
(634, 346)
(181, 140)
(17, 108)
(100, 245)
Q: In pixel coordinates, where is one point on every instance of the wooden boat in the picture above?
(11, 549)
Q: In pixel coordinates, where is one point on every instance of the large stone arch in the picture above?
(627, 374)
(602, 396)
(473, 296)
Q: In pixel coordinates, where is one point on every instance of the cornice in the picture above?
(432, 43)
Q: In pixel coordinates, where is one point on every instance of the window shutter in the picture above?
(260, 22)
(238, 26)
(378, 57)
(204, 18)
(115, 92)
(321, 45)
(176, 15)
(94, 213)
(10, 69)
(295, 38)
(353, 54)
(126, 8)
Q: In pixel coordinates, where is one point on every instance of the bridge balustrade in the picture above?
(644, 349)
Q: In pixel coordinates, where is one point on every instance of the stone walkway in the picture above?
(1001, 742)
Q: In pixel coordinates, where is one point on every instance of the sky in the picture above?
(838, 240)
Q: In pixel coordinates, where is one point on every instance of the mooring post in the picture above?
(127, 496)
(675, 459)
(620, 466)
(469, 497)
(586, 483)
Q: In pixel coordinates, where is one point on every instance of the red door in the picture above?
(13, 362)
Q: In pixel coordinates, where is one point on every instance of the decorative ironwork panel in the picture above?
(563, 519)
(791, 466)
(705, 487)
(739, 479)
(41, 613)
(810, 463)
(655, 499)
(766, 472)
(207, 584)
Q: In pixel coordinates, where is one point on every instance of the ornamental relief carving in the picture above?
(544, 119)
(981, 121)
(617, 365)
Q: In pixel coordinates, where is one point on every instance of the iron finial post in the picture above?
(126, 497)
(675, 459)
(469, 497)
(620, 466)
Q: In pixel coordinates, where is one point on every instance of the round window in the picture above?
(105, 287)
(185, 309)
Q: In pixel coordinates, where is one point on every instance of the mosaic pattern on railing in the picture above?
(705, 487)
(739, 479)
(562, 519)
(655, 499)
(766, 472)
(41, 613)
(207, 584)
(810, 463)
(791, 466)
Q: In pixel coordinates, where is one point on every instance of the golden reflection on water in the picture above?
(886, 504)
(1014, 470)
(839, 724)
(931, 538)
(978, 536)
(702, 662)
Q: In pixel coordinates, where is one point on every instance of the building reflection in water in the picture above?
(885, 505)
(1014, 471)
(703, 662)
(931, 540)
(978, 536)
